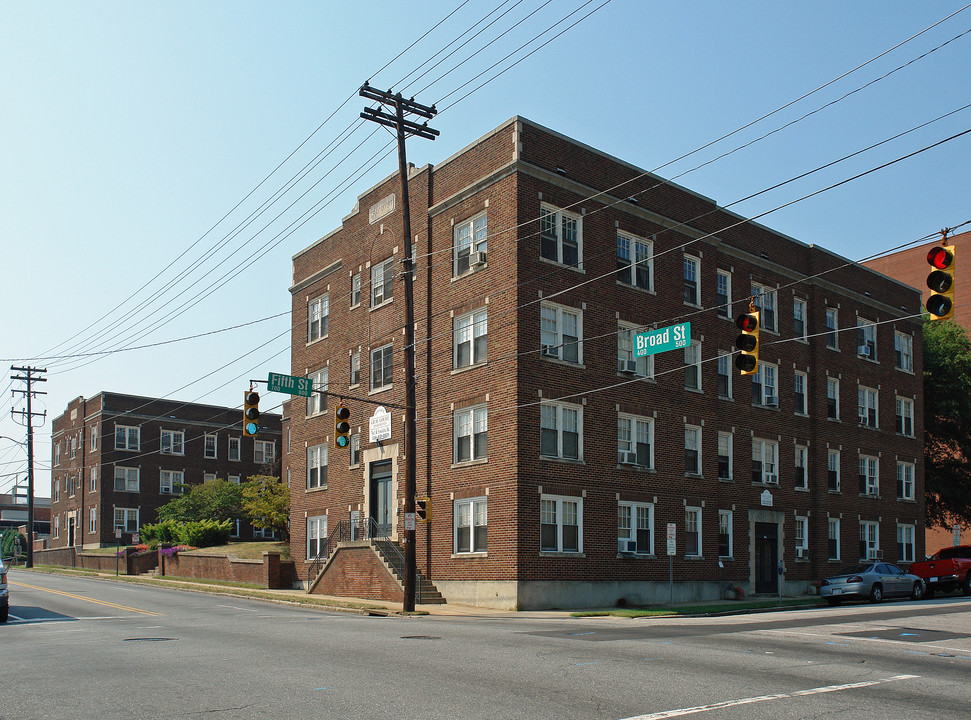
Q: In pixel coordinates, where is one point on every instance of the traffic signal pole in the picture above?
(403, 128)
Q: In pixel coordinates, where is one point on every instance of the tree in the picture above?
(267, 503)
(214, 500)
(947, 421)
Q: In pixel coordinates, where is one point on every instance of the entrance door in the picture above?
(381, 500)
(766, 558)
(70, 531)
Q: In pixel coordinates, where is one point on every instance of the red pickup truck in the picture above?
(947, 569)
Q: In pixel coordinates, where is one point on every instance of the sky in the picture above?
(162, 162)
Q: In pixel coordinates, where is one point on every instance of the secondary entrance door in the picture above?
(380, 492)
(766, 558)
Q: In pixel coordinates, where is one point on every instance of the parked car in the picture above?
(873, 581)
(947, 569)
(4, 593)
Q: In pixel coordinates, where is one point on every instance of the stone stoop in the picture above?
(428, 594)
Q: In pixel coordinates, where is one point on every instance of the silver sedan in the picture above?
(873, 581)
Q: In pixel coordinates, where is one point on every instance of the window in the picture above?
(692, 366)
(469, 334)
(635, 441)
(561, 431)
(833, 469)
(869, 539)
(316, 466)
(355, 289)
(626, 362)
(561, 524)
(905, 416)
(93, 479)
(126, 519)
(905, 543)
(799, 318)
(561, 332)
(725, 456)
(264, 451)
(126, 438)
(725, 533)
(764, 385)
(235, 449)
(382, 275)
(56, 490)
(92, 520)
(57, 453)
(355, 370)
(171, 482)
(317, 401)
(905, 481)
(635, 261)
(692, 271)
(799, 382)
(866, 339)
(723, 293)
(469, 237)
(126, 479)
(801, 481)
(867, 406)
(833, 398)
(724, 374)
(208, 477)
(318, 318)
(692, 450)
(234, 479)
(765, 461)
(802, 537)
(471, 526)
(72, 484)
(764, 299)
(381, 368)
(316, 535)
(903, 350)
(355, 455)
(692, 531)
(74, 447)
(832, 328)
(833, 538)
(560, 236)
(209, 450)
(172, 442)
(471, 427)
(869, 475)
(635, 528)
(94, 437)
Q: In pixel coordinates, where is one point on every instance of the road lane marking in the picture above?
(105, 603)
(763, 698)
(929, 643)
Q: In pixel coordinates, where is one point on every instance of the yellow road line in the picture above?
(86, 599)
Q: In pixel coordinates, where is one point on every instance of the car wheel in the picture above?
(966, 587)
(918, 592)
(833, 601)
(876, 593)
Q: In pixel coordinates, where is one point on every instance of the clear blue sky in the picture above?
(129, 130)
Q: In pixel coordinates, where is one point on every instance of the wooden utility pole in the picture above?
(404, 128)
(28, 415)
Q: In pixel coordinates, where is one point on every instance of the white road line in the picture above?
(855, 638)
(762, 698)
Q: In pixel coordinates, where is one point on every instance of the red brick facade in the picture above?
(552, 498)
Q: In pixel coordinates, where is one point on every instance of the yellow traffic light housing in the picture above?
(342, 425)
(748, 342)
(251, 413)
(940, 304)
(423, 509)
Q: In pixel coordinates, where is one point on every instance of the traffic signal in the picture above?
(251, 413)
(940, 304)
(342, 428)
(747, 343)
(423, 509)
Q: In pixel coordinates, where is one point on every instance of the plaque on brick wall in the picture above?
(380, 209)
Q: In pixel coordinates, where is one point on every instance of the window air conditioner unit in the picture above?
(863, 350)
(772, 479)
(627, 366)
(477, 259)
(551, 351)
(627, 458)
(872, 554)
(801, 553)
(772, 401)
(627, 547)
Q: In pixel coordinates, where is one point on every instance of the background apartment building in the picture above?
(117, 458)
(556, 460)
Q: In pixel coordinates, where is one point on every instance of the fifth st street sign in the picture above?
(292, 384)
(669, 338)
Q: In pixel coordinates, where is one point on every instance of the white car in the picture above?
(4, 594)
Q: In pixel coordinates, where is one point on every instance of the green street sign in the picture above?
(290, 384)
(662, 339)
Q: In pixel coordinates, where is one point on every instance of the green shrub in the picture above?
(205, 533)
(165, 531)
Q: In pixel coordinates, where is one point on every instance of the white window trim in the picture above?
(632, 262)
(731, 455)
(176, 478)
(805, 391)
(725, 311)
(907, 405)
(731, 535)
(559, 500)
(798, 301)
(127, 479)
(317, 402)
(387, 385)
(642, 366)
(259, 447)
(555, 350)
(634, 420)
(802, 543)
(210, 444)
(724, 355)
(633, 529)
(762, 295)
(478, 327)
(697, 510)
(835, 330)
(474, 503)
(559, 215)
(318, 312)
(693, 348)
(474, 244)
(872, 535)
(138, 437)
(905, 482)
(830, 455)
(766, 391)
(382, 269)
(473, 412)
(831, 525)
(911, 530)
(901, 339)
(174, 434)
(697, 279)
(869, 467)
(866, 394)
(697, 472)
(767, 449)
(559, 407)
(317, 460)
(238, 442)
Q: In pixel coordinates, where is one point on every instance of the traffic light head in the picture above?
(342, 425)
(940, 304)
(747, 343)
(251, 413)
(423, 509)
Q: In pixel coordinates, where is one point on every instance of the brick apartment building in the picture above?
(555, 460)
(910, 266)
(117, 458)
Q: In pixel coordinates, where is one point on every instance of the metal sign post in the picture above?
(672, 550)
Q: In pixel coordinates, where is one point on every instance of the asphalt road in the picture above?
(94, 649)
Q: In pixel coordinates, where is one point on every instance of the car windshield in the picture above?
(853, 570)
(954, 552)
